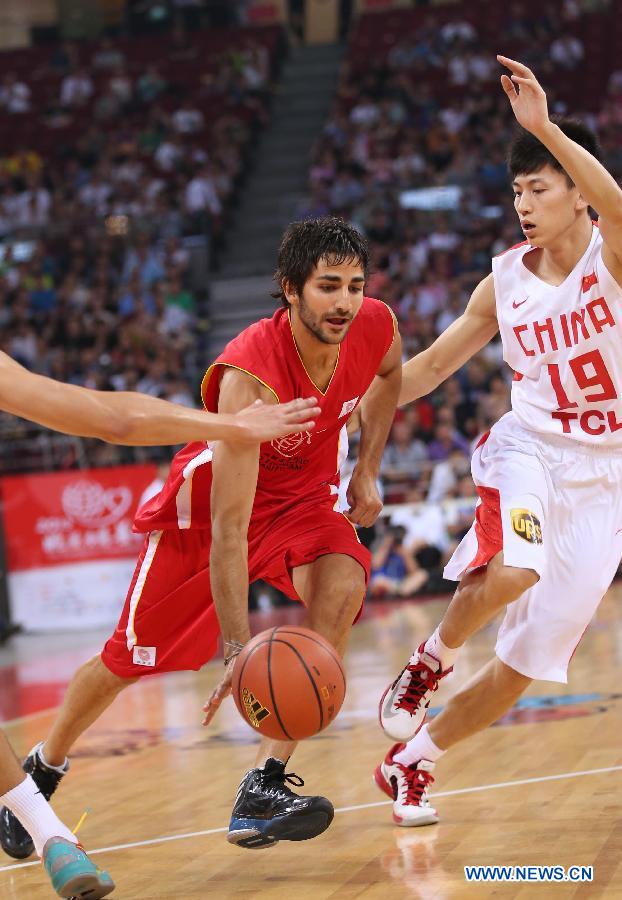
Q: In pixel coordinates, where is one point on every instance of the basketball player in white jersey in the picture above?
(547, 536)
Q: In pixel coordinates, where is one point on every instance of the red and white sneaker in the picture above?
(404, 704)
(408, 788)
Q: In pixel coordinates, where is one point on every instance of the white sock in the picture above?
(35, 813)
(436, 648)
(420, 747)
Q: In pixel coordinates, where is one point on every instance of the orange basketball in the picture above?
(288, 683)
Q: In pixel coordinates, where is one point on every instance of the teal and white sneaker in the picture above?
(72, 873)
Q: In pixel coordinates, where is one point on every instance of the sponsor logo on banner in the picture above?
(90, 504)
(255, 712)
(65, 517)
(70, 547)
(144, 656)
(526, 525)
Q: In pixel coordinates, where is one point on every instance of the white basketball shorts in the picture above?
(555, 506)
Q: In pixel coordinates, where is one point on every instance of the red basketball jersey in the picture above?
(302, 467)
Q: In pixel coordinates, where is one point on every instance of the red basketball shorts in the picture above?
(169, 622)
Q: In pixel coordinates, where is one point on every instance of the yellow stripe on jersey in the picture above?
(208, 375)
(394, 320)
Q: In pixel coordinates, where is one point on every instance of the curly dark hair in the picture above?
(305, 243)
(527, 154)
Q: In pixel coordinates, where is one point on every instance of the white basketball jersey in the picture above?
(564, 344)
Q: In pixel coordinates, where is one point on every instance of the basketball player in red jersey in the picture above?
(122, 418)
(230, 514)
(546, 541)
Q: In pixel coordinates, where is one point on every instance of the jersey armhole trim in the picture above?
(210, 372)
(601, 262)
(393, 319)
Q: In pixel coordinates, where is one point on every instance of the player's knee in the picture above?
(522, 580)
(508, 681)
(350, 592)
(333, 616)
(507, 583)
(102, 679)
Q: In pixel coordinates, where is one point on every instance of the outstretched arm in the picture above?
(463, 339)
(597, 187)
(136, 419)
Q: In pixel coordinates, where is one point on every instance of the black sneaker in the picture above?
(14, 838)
(266, 811)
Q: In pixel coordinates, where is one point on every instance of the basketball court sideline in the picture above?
(540, 788)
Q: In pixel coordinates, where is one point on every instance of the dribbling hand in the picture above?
(222, 690)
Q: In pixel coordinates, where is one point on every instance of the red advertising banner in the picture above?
(70, 517)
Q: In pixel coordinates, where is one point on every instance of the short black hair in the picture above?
(527, 154)
(305, 243)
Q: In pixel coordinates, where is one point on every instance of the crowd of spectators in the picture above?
(119, 162)
(414, 154)
(121, 159)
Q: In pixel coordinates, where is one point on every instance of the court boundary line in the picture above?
(342, 809)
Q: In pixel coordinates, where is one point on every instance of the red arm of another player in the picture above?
(137, 419)
(377, 409)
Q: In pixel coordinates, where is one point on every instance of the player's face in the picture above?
(330, 299)
(547, 206)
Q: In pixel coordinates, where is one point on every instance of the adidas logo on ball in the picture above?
(253, 708)
(301, 675)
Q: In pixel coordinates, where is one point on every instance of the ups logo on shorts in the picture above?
(526, 525)
(255, 712)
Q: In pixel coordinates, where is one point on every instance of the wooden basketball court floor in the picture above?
(540, 788)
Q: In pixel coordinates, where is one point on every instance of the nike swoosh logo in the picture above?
(388, 702)
(515, 305)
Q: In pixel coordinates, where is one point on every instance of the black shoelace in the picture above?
(277, 782)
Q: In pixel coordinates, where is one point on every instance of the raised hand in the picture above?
(266, 421)
(526, 96)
